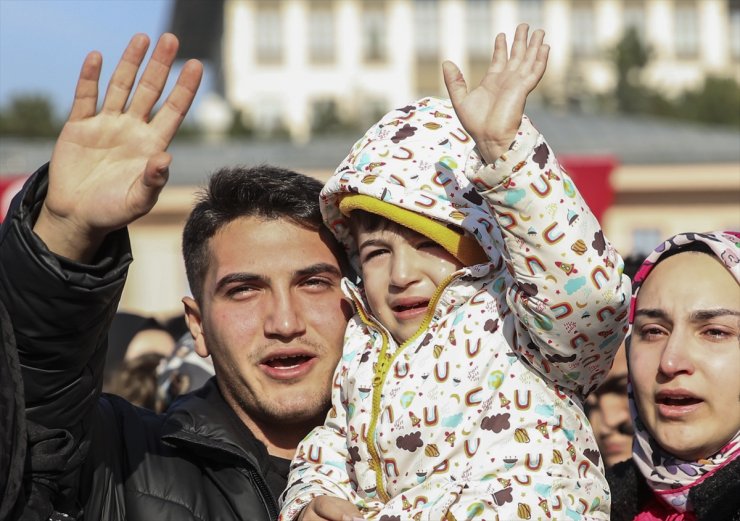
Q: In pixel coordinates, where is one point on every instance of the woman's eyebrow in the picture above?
(707, 314)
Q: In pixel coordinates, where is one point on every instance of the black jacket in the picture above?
(198, 462)
(715, 499)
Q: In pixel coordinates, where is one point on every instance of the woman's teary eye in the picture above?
(716, 333)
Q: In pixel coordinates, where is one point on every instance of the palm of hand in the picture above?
(102, 157)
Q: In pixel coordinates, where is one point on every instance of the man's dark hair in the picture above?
(263, 191)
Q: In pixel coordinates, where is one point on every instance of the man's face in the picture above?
(401, 270)
(272, 316)
(609, 413)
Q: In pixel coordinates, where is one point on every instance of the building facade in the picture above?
(296, 65)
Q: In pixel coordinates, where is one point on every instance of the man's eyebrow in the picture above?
(708, 314)
(316, 269)
(239, 277)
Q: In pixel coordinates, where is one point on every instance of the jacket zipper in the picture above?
(247, 468)
(265, 493)
(385, 362)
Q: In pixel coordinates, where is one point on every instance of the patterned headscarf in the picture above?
(669, 477)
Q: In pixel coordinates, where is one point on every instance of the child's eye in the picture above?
(429, 245)
(368, 254)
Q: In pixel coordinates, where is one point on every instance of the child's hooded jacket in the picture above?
(479, 415)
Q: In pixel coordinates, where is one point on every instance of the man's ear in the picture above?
(195, 325)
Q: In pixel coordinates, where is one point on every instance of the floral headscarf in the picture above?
(669, 477)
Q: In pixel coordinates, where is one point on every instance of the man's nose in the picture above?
(283, 317)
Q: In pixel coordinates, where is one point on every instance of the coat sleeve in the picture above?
(323, 465)
(566, 287)
(61, 312)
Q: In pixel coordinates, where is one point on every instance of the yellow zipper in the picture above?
(381, 371)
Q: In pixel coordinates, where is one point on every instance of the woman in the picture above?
(684, 362)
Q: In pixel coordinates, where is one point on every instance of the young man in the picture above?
(267, 306)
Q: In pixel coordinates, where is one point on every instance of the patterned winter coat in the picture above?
(479, 415)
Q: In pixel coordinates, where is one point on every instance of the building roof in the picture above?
(631, 140)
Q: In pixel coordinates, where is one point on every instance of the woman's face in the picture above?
(685, 355)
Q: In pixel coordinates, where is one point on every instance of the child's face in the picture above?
(401, 269)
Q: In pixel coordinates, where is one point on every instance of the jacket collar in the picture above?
(202, 419)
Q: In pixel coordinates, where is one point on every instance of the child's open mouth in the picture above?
(410, 308)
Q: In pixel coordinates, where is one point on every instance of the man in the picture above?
(267, 307)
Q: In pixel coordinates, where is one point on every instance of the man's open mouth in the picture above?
(287, 361)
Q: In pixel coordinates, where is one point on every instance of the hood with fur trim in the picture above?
(413, 162)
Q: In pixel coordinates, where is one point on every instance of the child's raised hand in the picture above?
(327, 508)
(492, 112)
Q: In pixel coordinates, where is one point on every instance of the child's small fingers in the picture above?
(499, 58)
(519, 47)
(454, 80)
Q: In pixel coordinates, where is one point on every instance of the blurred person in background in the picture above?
(607, 407)
(683, 356)
(184, 371)
(132, 336)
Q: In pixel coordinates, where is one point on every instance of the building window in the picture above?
(686, 30)
(634, 17)
(374, 34)
(644, 240)
(479, 28)
(531, 12)
(321, 28)
(426, 28)
(268, 33)
(582, 31)
(735, 29)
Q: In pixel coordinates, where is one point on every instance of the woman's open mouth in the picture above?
(676, 404)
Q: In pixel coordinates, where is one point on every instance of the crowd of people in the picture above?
(425, 337)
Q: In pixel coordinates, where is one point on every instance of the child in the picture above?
(491, 304)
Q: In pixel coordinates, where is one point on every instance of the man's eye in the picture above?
(318, 283)
(240, 291)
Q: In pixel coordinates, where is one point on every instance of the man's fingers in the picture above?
(86, 92)
(125, 74)
(177, 104)
(157, 171)
(455, 82)
(331, 509)
(155, 75)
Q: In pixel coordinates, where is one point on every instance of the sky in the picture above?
(43, 43)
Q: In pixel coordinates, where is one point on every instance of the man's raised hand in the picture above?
(108, 167)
